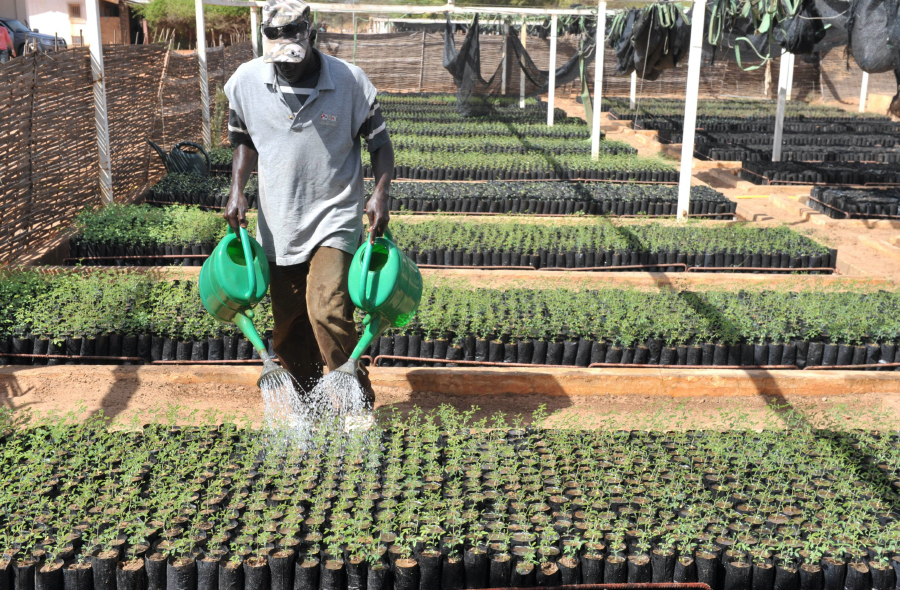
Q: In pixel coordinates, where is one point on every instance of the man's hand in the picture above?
(378, 210)
(243, 163)
(236, 210)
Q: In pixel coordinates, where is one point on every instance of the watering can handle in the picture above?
(248, 258)
(364, 269)
(364, 273)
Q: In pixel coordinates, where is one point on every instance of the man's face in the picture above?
(286, 29)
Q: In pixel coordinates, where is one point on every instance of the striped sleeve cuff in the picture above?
(237, 131)
(374, 129)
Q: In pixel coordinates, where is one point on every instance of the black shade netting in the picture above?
(477, 96)
(649, 40)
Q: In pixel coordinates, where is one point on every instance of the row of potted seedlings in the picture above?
(557, 198)
(440, 501)
(628, 326)
(531, 165)
(500, 197)
(846, 203)
(763, 140)
(820, 173)
(140, 235)
(603, 244)
(208, 192)
(736, 108)
(78, 315)
(144, 235)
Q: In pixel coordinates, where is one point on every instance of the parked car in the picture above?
(21, 35)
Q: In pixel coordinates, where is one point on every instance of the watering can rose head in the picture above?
(287, 33)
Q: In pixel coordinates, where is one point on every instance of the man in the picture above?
(6, 45)
(301, 115)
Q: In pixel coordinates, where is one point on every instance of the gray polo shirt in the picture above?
(310, 169)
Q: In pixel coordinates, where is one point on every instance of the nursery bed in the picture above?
(537, 198)
(138, 235)
(820, 173)
(445, 501)
(598, 244)
(855, 203)
(112, 314)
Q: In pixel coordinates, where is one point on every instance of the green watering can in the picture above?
(385, 284)
(230, 288)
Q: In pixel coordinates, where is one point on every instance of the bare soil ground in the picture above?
(118, 394)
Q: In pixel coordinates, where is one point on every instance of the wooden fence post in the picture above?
(204, 73)
(101, 116)
(422, 64)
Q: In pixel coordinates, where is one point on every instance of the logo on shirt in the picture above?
(326, 119)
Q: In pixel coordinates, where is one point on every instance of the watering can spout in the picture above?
(244, 322)
(373, 327)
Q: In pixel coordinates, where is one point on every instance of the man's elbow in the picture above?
(384, 153)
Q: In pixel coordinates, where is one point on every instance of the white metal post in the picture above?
(551, 90)
(864, 92)
(698, 15)
(204, 74)
(523, 37)
(101, 116)
(790, 77)
(254, 30)
(633, 101)
(783, 76)
(503, 62)
(599, 53)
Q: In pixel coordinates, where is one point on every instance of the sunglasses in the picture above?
(288, 31)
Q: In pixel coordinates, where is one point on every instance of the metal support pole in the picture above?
(864, 92)
(354, 38)
(551, 89)
(599, 53)
(101, 116)
(204, 74)
(254, 30)
(698, 15)
(779, 111)
(633, 101)
(523, 37)
(790, 79)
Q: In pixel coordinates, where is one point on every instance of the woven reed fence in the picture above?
(48, 140)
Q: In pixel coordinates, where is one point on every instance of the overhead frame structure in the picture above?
(693, 78)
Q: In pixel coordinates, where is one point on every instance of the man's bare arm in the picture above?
(379, 205)
(242, 165)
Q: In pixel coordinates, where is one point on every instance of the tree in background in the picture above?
(178, 15)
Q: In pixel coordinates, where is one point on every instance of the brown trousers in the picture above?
(313, 314)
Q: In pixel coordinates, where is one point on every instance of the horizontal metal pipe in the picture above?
(768, 269)
(832, 367)
(470, 363)
(625, 365)
(491, 267)
(636, 586)
(137, 257)
(591, 366)
(73, 356)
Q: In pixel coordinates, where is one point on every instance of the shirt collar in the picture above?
(324, 82)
